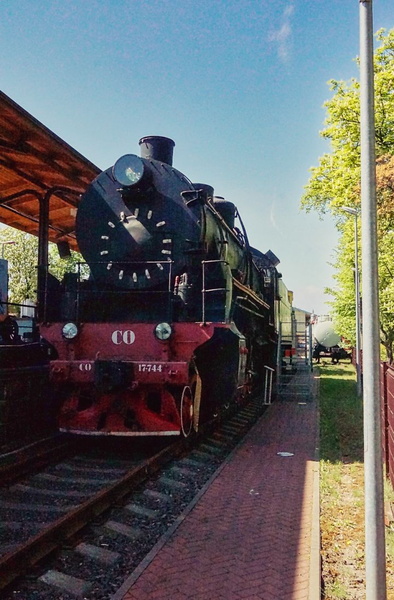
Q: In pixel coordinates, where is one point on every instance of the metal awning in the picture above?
(35, 164)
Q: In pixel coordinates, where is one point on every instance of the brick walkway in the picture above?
(253, 533)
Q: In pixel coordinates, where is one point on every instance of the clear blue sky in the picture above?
(238, 84)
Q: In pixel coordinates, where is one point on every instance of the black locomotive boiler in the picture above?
(172, 319)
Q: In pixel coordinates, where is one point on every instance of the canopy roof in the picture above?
(34, 162)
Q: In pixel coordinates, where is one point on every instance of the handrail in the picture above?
(268, 384)
(247, 290)
(205, 291)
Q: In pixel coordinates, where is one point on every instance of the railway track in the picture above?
(79, 527)
(21, 462)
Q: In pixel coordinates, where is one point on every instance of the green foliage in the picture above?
(386, 291)
(334, 183)
(22, 260)
(22, 256)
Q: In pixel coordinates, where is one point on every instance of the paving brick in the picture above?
(249, 535)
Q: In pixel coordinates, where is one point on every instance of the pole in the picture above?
(375, 562)
(358, 315)
(354, 212)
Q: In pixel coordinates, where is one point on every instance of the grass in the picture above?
(342, 488)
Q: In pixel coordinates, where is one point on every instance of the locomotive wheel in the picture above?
(186, 411)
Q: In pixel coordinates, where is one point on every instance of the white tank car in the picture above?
(325, 334)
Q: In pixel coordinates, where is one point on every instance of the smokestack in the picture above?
(157, 147)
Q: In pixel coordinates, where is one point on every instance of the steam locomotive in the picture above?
(172, 319)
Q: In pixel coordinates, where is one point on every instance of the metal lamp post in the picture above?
(354, 212)
(375, 558)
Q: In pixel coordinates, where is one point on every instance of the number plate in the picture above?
(150, 368)
(161, 372)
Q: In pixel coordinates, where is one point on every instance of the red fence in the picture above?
(387, 417)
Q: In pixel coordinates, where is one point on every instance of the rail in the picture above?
(21, 559)
(16, 563)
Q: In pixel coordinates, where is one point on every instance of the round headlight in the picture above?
(128, 170)
(163, 331)
(69, 331)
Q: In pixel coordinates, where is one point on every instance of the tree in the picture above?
(334, 183)
(22, 261)
(22, 256)
(385, 202)
(344, 299)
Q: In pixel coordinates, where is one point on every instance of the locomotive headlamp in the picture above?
(128, 170)
(69, 331)
(163, 331)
